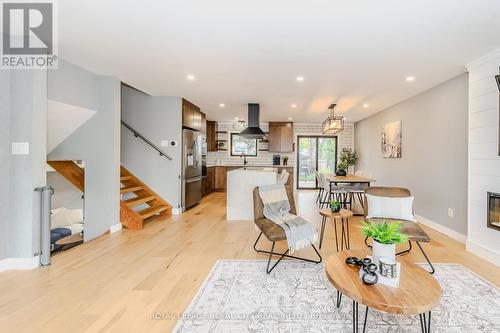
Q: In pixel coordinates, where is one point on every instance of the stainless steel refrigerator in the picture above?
(191, 167)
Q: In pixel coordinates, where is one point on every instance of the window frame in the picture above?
(231, 146)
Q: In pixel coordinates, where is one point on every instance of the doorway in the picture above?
(315, 152)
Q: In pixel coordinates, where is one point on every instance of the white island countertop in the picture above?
(240, 185)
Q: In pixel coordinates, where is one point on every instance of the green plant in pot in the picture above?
(347, 158)
(335, 206)
(385, 238)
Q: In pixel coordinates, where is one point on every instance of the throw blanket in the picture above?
(299, 232)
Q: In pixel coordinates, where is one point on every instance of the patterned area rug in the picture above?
(238, 296)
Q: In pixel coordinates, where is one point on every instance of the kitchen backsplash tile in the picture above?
(345, 139)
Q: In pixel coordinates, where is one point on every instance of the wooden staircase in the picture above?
(141, 202)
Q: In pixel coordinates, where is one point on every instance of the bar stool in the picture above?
(343, 216)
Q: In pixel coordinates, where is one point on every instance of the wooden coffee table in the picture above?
(418, 292)
(343, 216)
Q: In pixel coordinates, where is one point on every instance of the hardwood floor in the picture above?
(123, 282)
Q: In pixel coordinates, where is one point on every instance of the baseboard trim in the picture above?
(442, 229)
(483, 252)
(115, 228)
(8, 264)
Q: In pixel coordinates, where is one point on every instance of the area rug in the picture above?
(238, 296)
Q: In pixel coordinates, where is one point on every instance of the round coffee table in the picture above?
(418, 292)
(342, 215)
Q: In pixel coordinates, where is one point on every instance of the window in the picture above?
(241, 145)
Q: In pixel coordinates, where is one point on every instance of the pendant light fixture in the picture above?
(333, 124)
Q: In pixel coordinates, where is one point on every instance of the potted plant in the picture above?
(385, 237)
(285, 160)
(347, 158)
(335, 206)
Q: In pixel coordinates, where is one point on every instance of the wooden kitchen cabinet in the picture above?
(192, 116)
(210, 180)
(280, 137)
(211, 135)
(220, 181)
(203, 128)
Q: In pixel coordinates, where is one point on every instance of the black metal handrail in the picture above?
(139, 135)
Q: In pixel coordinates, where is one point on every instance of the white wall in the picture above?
(484, 162)
(157, 118)
(97, 141)
(434, 152)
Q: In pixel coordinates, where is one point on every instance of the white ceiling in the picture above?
(349, 52)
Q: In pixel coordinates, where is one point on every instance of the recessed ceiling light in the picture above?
(366, 105)
(410, 78)
(300, 78)
(222, 105)
(290, 118)
(190, 77)
(294, 105)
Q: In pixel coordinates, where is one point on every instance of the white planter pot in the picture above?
(383, 250)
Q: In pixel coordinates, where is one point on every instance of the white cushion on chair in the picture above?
(390, 208)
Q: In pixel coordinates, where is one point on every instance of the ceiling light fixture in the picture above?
(366, 105)
(222, 105)
(410, 79)
(333, 124)
(290, 118)
(190, 77)
(300, 78)
(294, 105)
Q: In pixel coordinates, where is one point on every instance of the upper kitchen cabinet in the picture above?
(211, 135)
(280, 137)
(203, 123)
(192, 117)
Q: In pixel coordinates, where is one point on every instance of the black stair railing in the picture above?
(143, 138)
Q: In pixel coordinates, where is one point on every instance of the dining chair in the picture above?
(356, 189)
(331, 191)
(320, 186)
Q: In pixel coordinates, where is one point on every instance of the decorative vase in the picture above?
(341, 173)
(383, 250)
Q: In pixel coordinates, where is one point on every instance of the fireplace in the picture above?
(494, 211)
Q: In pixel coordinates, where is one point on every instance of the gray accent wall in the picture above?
(158, 118)
(23, 118)
(434, 151)
(97, 142)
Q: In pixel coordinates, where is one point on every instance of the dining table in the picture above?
(349, 178)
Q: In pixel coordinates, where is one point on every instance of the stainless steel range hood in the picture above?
(253, 130)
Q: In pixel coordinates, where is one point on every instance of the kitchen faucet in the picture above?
(245, 162)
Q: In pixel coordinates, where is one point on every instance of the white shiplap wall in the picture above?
(484, 162)
(345, 139)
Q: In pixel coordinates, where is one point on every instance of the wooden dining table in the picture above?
(332, 178)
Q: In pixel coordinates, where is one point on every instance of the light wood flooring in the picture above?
(120, 281)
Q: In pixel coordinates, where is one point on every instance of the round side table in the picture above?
(343, 217)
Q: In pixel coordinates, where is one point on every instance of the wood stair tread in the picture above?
(139, 200)
(125, 178)
(148, 212)
(131, 189)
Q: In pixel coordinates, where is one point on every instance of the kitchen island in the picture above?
(240, 185)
